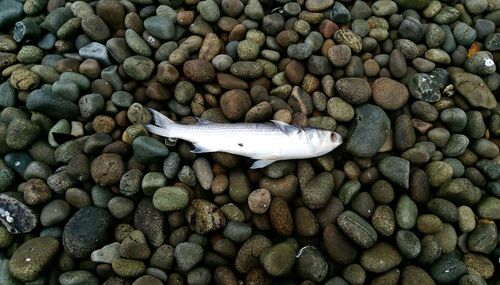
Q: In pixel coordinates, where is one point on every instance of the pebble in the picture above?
(278, 259)
(138, 67)
(170, 198)
(408, 244)
(32, 258)
(389, 94)
(466, 83)
(43, 100)
(380, 258)
(54, 212)
(148, 149)
(107, 169)
(204, 216)
(199, 70)
(369, 133)
(187, 255)
(357, 229)
(120, 207)
(447, 269)
(353, 90)
(86, 231)
(106, 254)
(128, 268)
(160, 27)
(78, 277)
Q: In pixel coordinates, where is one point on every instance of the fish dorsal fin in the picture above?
(203, 121)
(286, 128)
(261, 163)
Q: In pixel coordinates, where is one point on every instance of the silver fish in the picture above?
(265, 142)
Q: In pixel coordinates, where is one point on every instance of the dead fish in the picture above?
(265, 142)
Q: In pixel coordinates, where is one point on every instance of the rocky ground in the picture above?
(87, 196)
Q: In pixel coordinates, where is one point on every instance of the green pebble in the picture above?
(136, 43)
(489, 208)
(122, 99)
(148, 149)
(30, 54)
(153, 181)
(78, 277)
(278, 260)
(170, 198)
(406, 212)
(33, 257)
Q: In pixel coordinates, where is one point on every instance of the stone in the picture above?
(204, 217)
(33, 257)
(187, 255)
(369, 132)
(473, 88)
(86, 231)
(278, 259)
(380, 258)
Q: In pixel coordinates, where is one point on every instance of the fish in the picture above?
(264, 142)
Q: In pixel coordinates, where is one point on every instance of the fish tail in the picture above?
(160, 124)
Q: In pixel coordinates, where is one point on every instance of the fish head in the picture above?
(323, 141)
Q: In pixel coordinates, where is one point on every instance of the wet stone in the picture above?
(86, 231)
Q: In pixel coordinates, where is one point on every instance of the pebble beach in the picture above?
(88, 196)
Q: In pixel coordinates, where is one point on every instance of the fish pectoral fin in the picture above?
(201, 121)
(200, 149)
(262, 163)
(286, 128)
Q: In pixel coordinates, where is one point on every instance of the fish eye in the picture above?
(333, 137)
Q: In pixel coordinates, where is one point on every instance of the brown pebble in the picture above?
(36, 192)
(429, 224)
(90, 68)
(480, 264)
(371, 68)
(281, 217)
(306, 223)
(210, 47)
(287, 37)
(235, 104)
(389, 94)
(185, 18)
(224, 275)
(338, 246)
(229, 81)
(327, 28)
(166, 73)
(311, 83)
(258, 276)
(249, 253)
(103, 124)
(259, 201)
(107, 169)
(414, 275)
(237, 33)
(67, 64)
(199, 70)
(111, 12)
(295, 72)
(227, 23)
(102, 87)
